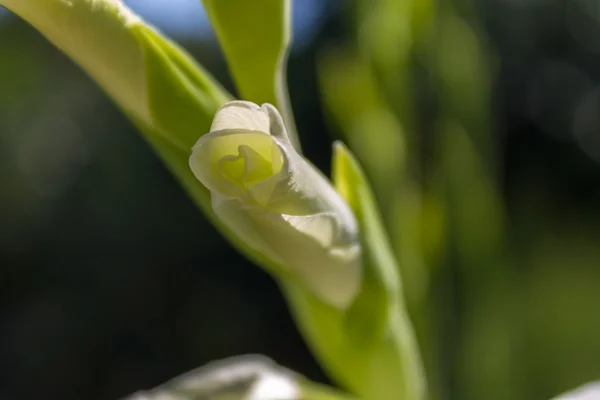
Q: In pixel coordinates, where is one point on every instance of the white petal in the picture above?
(590, 391)
(274, 387)
(332, 273)
(234, 215)
(247, 377)
(321, 227)
(209, 151)
(241, 115)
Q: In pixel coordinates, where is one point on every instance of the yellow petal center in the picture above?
(241, 165)
(247, 168)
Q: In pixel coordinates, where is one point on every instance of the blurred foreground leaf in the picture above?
(240, 378)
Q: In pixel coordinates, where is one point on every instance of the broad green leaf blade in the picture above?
(380, 304)
(147, 75)
(255, 37)
(182, 97)
(381, 286)
(97, 36)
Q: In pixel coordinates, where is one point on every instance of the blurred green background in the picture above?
(477, 121)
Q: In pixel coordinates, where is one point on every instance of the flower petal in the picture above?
(242, 115)
(215, 155)
(331, 272)
(277, 202)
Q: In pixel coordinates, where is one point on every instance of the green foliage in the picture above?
(370, 349)
(182, 96)
(368, 316)
(381, 300)
(255, 37)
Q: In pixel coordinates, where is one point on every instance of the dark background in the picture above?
(112, 281)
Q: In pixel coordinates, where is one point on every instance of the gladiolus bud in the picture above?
(277, 202)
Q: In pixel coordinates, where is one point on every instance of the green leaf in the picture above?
(379, 305)
(369, 349)
(182, 96)
(255, 37)
(381, 283)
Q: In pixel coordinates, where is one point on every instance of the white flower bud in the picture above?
(277, 202)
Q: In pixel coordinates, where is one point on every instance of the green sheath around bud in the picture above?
(277, 202)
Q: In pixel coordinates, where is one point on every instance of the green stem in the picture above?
(388, 367)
